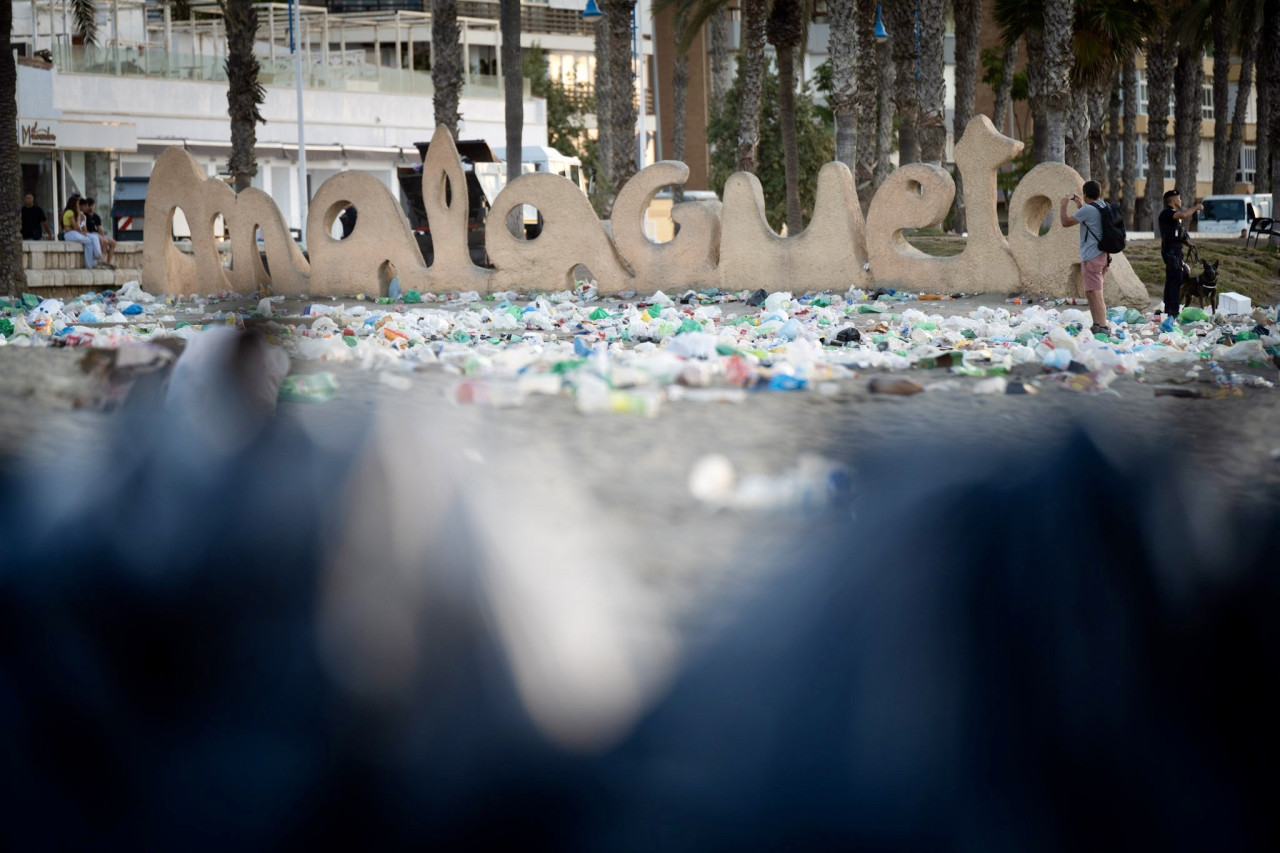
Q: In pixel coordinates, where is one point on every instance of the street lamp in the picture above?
(592, 13)
(882, 35)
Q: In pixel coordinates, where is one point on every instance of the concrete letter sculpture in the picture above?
(919, 196)
(732, 247)
(687, 261)
(1050, 264)
(177, 181)
(827, 255)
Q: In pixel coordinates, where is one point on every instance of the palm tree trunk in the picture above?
(1096, 98)
(751, 81)
(999, 112)
(718, 51)
(904, 36)
(842, 48)
(968, 14)
(1223, 171)
(1268, 68)
(512, 84)
(1128, 203)
(12, 277)
(619, 15)
(679, 94)
(1075, 140)
(446, 64)
(864, 176)
(1159, 81)
(1188, 96)
(1059, 18)
(1115, 186)
(244, 92)
(604, 115)
(790, 149)
(1036, 90)
(1248, 50)
(933, 85)
(885, 114)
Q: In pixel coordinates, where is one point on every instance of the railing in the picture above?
(534, 18)
(361, 77)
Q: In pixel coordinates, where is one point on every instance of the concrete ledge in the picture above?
(60, 255)
(79, 281)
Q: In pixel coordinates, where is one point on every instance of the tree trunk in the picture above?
(512, 84)
(244, 92)
(1114, 183)
(1004, 95)
(1059, 19)
(864, 176)
(718, 51)
(1075, 140)
(884, 118)
(679, 95)
(1096, 98)
(1159, 81)
(1268, 68)
(786, 29)
(1248, 50)
(1188, 97)
(1223, 171)
(604, 114)
(933, 85)
(1128, 203)
(1036, 91)
(446, 64)
(619, 15)
(904, 36)
(968, 15)
(842, 48)
(751, 81)
(12, 277)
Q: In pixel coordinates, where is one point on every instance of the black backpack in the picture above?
(1112, 238)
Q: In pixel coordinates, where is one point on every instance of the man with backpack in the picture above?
(1100, 236)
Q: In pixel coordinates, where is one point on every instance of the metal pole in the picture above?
(657, 91)
(271, 28)
(115, 31)
(168, 41)
(466, 54)
(35, 27)
(295, 21)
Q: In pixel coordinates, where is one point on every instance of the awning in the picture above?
(67, 135)
(317, 153)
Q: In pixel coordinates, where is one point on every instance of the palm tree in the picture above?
(1113, 149)
(1188, 93)
(1160, 58)
(680, 91)
(1004, 94)
(1270, 42)
(1129, 83)
(755, 16)
(842, 48)
(786, 32)
(932, 84)
(903, 27)
(718, 55)
(1059, 58)
(446, 64)
(603, 189)
(887, 85)
(968, 14)
(618, 15)
(512, 84)
(1224, 164)
(11, 273)
(244, 93)
(868, 62)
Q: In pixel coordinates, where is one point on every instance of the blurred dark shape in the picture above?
(1072, 650)
(1075, 651)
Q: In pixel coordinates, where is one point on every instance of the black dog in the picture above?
(1203, 287)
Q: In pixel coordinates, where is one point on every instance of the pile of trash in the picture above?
(633, 354)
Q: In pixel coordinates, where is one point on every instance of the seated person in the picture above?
(94, 223)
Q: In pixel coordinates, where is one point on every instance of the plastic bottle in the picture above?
(308, 388)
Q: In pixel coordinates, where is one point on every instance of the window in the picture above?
(1248, 165)
(1206, 100)
(1223, 209)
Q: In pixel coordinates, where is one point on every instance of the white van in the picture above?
(1232, 214)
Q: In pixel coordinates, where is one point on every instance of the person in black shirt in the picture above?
(348, 220)
(94, 223)
(35, 224)
(1172, 236)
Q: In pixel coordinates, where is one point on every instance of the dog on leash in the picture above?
(1203, 287)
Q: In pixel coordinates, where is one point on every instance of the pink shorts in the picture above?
(1092, 272)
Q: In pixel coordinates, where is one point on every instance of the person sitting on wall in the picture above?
(35, 224)
(94, 223)
(76, 230)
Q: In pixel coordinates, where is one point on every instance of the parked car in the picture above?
(1233, 214)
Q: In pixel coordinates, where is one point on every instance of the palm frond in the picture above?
(84, 14)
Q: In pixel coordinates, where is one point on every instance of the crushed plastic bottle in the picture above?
(308, 388)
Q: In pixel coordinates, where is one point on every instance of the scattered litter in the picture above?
(894, 385)
(308, 388)
(813, 483)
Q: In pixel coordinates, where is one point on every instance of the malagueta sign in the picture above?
(727, 245)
